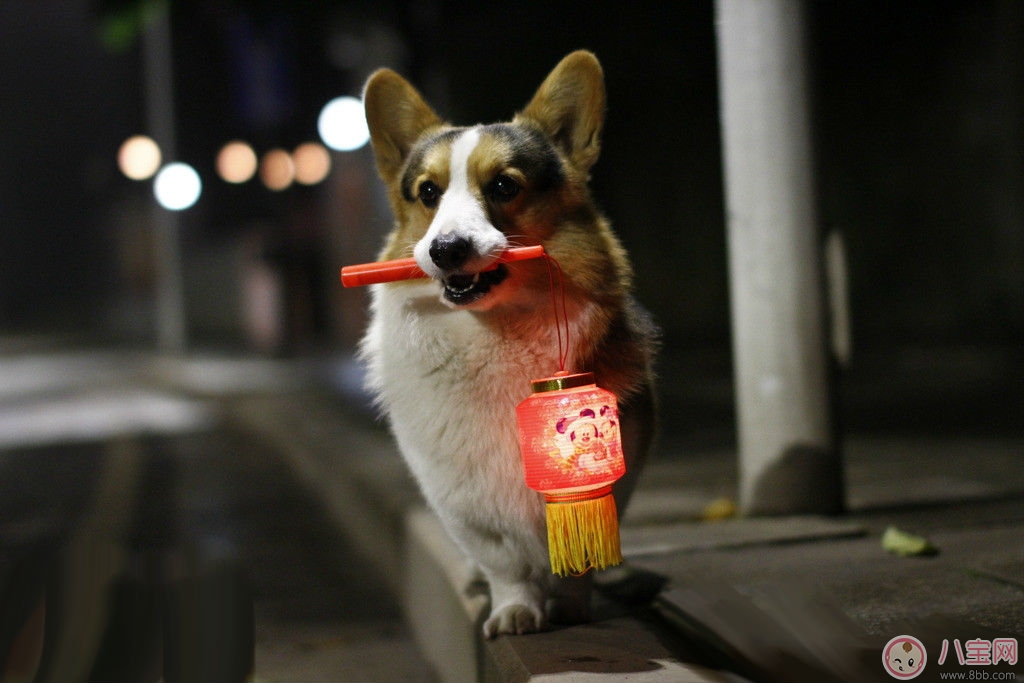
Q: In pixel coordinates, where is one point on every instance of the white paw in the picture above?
(513, 619)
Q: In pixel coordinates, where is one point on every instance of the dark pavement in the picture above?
(141, 538)
(192, 519)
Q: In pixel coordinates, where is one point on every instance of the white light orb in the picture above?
(177, 186)
(342, 124)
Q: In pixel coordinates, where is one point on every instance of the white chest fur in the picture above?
(450, 383)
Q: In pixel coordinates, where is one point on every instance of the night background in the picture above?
(918, 112)
(918, 124)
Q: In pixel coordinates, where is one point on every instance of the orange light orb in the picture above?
(236, 162)
(277, 171)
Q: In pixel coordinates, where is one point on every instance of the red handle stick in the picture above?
(406, 268)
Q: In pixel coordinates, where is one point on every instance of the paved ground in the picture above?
(793, 598)
(811, 598)
(161, 545)
(156, 514)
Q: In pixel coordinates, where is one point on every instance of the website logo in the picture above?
(904, 657)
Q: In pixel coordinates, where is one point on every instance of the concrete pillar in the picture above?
(788, 459)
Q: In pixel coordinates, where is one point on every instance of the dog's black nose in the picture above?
(449, 251)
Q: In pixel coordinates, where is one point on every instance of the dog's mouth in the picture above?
(462, 289)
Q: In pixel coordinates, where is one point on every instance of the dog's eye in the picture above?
(503, 188)
(429, 193)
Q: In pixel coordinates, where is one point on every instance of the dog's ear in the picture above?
(397, 115)
(569, 107)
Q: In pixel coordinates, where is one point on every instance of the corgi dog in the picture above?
(449, 357)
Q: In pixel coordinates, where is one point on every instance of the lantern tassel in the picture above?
(583, 531)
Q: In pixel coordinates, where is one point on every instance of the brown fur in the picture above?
(612, 336)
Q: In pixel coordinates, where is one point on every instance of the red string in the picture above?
(563, 348)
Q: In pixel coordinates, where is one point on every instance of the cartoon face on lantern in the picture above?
(572, 441)
(590, 435)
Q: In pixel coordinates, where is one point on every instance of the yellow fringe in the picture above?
(583, 535)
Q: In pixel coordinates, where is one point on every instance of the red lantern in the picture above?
(572, 452)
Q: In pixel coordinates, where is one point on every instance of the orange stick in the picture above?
(406, 268)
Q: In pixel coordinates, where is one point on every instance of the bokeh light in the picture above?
(342, 124)
(139, 157)
(277, 170)
(312, 163)
(236, 162)
(177, 186)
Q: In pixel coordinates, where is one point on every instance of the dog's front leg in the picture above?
(515, 568)
(516, 607)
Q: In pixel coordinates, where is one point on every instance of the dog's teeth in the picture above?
(462, 289)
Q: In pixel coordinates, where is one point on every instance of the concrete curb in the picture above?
(447, 619)
(356, 472)
(444, 616)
